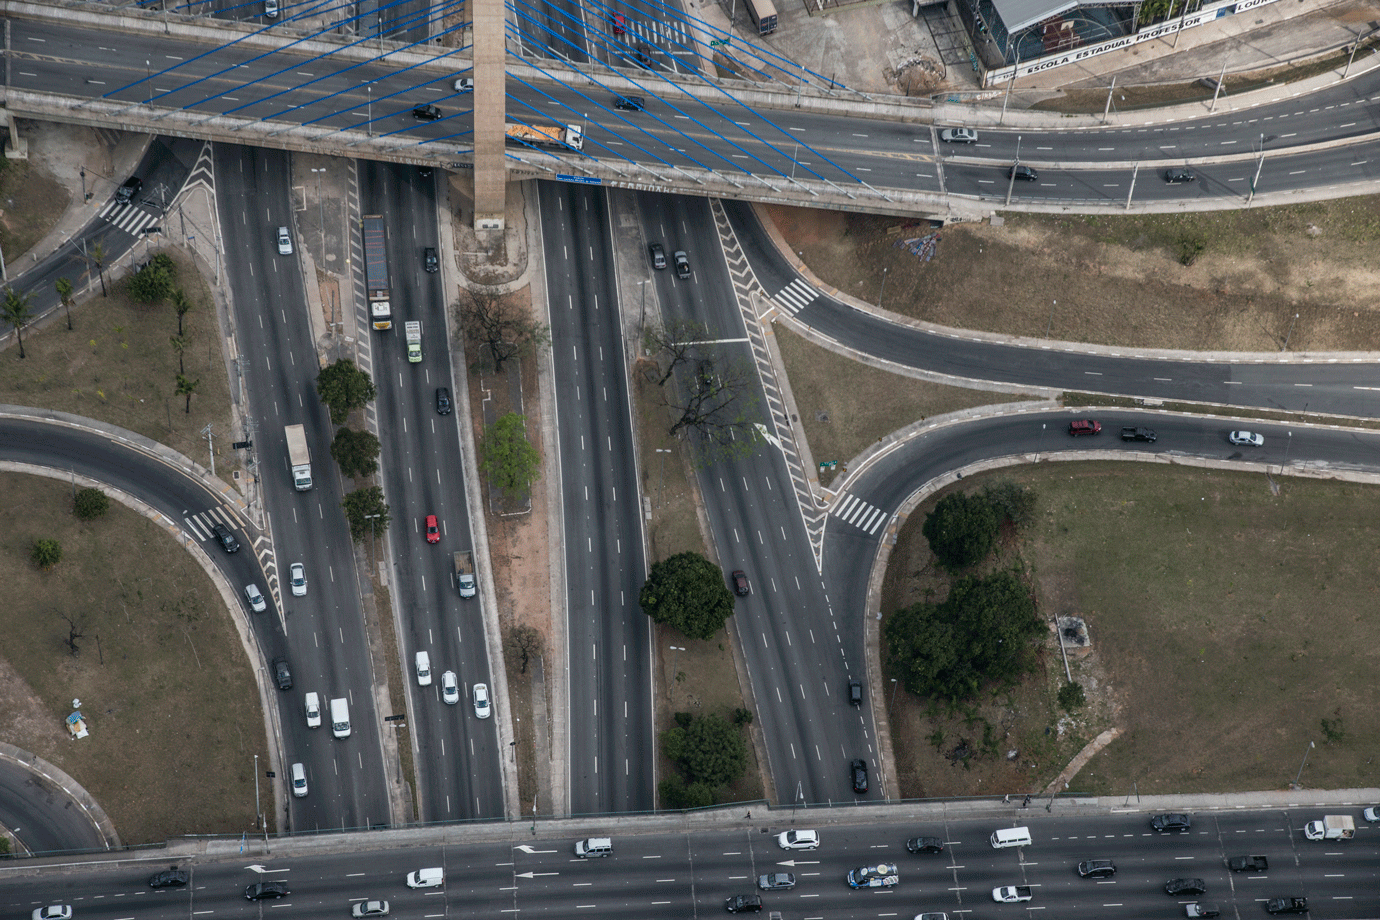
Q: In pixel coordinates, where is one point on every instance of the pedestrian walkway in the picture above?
(853, 510)
(129, 217)
(199, 525)
(795, 297)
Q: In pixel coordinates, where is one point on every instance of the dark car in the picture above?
(429, 260)
(443, 406)
(776, 881)
(644, 56)
(1097, 868)
(859, 770)
(740, 584)
(125, 193)
(1195, 909)
(682, 263)
(855, 693)
(1085, 426)
(173, 878)
(226, 538)
(1130, 433)
(1171, 822)
(262, 890)
(426, 112)
(925, 845)
(283, 676)
(1176, 176)
(1024, 173)
(658, 255)
(629, 103)
(424, 172)
(743, 903)
(1287, 905)
(1177, 886)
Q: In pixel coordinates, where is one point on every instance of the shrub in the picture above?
(90, 504)
(47, 553)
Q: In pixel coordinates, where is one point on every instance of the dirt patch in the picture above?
(1192, 584)
(168, 695)
(31, 203)
(1118, 280)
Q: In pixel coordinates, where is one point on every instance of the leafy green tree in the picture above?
(710, 750)
(982, 633)
(1071, 696)
(96, 256)
(674, 793)
(357, 452)
(961, 529)
(687, 592)
(1011, 501)
(367, 512)
(186, 386)
(182, 305)
(17, 312)
(506, 457)
(46, 553)
(63, 286)
(344, 388)
(153, 283)
(90, 504)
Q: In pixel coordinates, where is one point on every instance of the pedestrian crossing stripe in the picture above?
(867, 518)
(795, 296)
(130, 218)
(200, 524)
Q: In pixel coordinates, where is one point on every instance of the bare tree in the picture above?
(675, 341)
(73, 634)
(717, 401)
(527, 643)
(499, 328)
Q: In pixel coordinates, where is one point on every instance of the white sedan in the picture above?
(450, 688)
(298, 579)
(482, 709)
(1248, 438)
(54, 912)
(798, 840)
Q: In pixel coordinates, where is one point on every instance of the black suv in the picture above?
(429, 260)
(1175, 176)
(629, 103)
(173, 878)
(1097, 868)
(283, 676)
(1022, 172)
(1287, 905)
(125, 193)
(743, 903)
(859, 770)
(855, 694)
(426, 112)
(1177, 886)
(226, 538)
(262, 890)
(925, 844)
(442, 401)
(1171, 822)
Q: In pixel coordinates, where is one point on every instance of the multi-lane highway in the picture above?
(660, 874)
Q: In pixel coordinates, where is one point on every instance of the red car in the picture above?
(433, 530)
(620, 24)
(1085, 426)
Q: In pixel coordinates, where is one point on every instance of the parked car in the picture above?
(743, 903)
(260, 891)
(443, 405)
(859, 771)
(740, 584)
(629, 103)
(1097, 868)
(128, 189)
(226, 538)
(882, 875)
(776, 881)
(369, 909)
(256, 600)
(433, 529)
(482, 709)
(1194, 909)
(925, 845)
(426, 112)
(450, 688)
(1178, 886)
(1171, 822)
(1085, 426)
(658, 255)
(1024, 173)
(1179, 174)
(172, 878)
(798, 840)
(1248, 438)
(958, 136)
(297, 577)
(281, 674)
(284, 242)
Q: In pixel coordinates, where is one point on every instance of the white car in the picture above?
(284, 242)
(798, 840)
(298, 579)
(482, 709)
(938, 916)
(1249, 438)
(1011, 894)
(464, 85)
(1371, 814)
(54, 912)
(256, 600)
(370, 909)
(313, 710)
(958, 136)
(450, 688)
(299, 780)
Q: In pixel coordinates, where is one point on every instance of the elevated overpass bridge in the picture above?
(299, 85)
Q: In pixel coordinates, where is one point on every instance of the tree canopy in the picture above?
(344, 388)
(982, 633)
(367, 512)
(687, 592)
(357, 452)
(506, 457)
(500, 327)
(709, 750)
(961, 530)
(154, 282)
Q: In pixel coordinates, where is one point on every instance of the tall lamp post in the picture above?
(674, 648)
(258, 815)
(1306, 752)
(321, 211)
(372, 518)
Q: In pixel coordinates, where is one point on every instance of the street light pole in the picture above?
(321, 212)
(1291, 332)
(661, 473)
(369, 88)
(674, 648)
(1306, 752)
(894, 686)
(258, 815)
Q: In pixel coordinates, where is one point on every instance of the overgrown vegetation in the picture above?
(687, 592)
(344, 387)
(367, 513)
(90, 504)
(709, 753)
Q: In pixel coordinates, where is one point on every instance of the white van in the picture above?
(313, 710)
(299, 780)
(1011, 837)
(594, 846)
(423, 669)
(340, 718)
(426, 878)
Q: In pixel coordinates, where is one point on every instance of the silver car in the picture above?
(256, 600)
(1248, 438)
(958, 136)
(298, 579)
